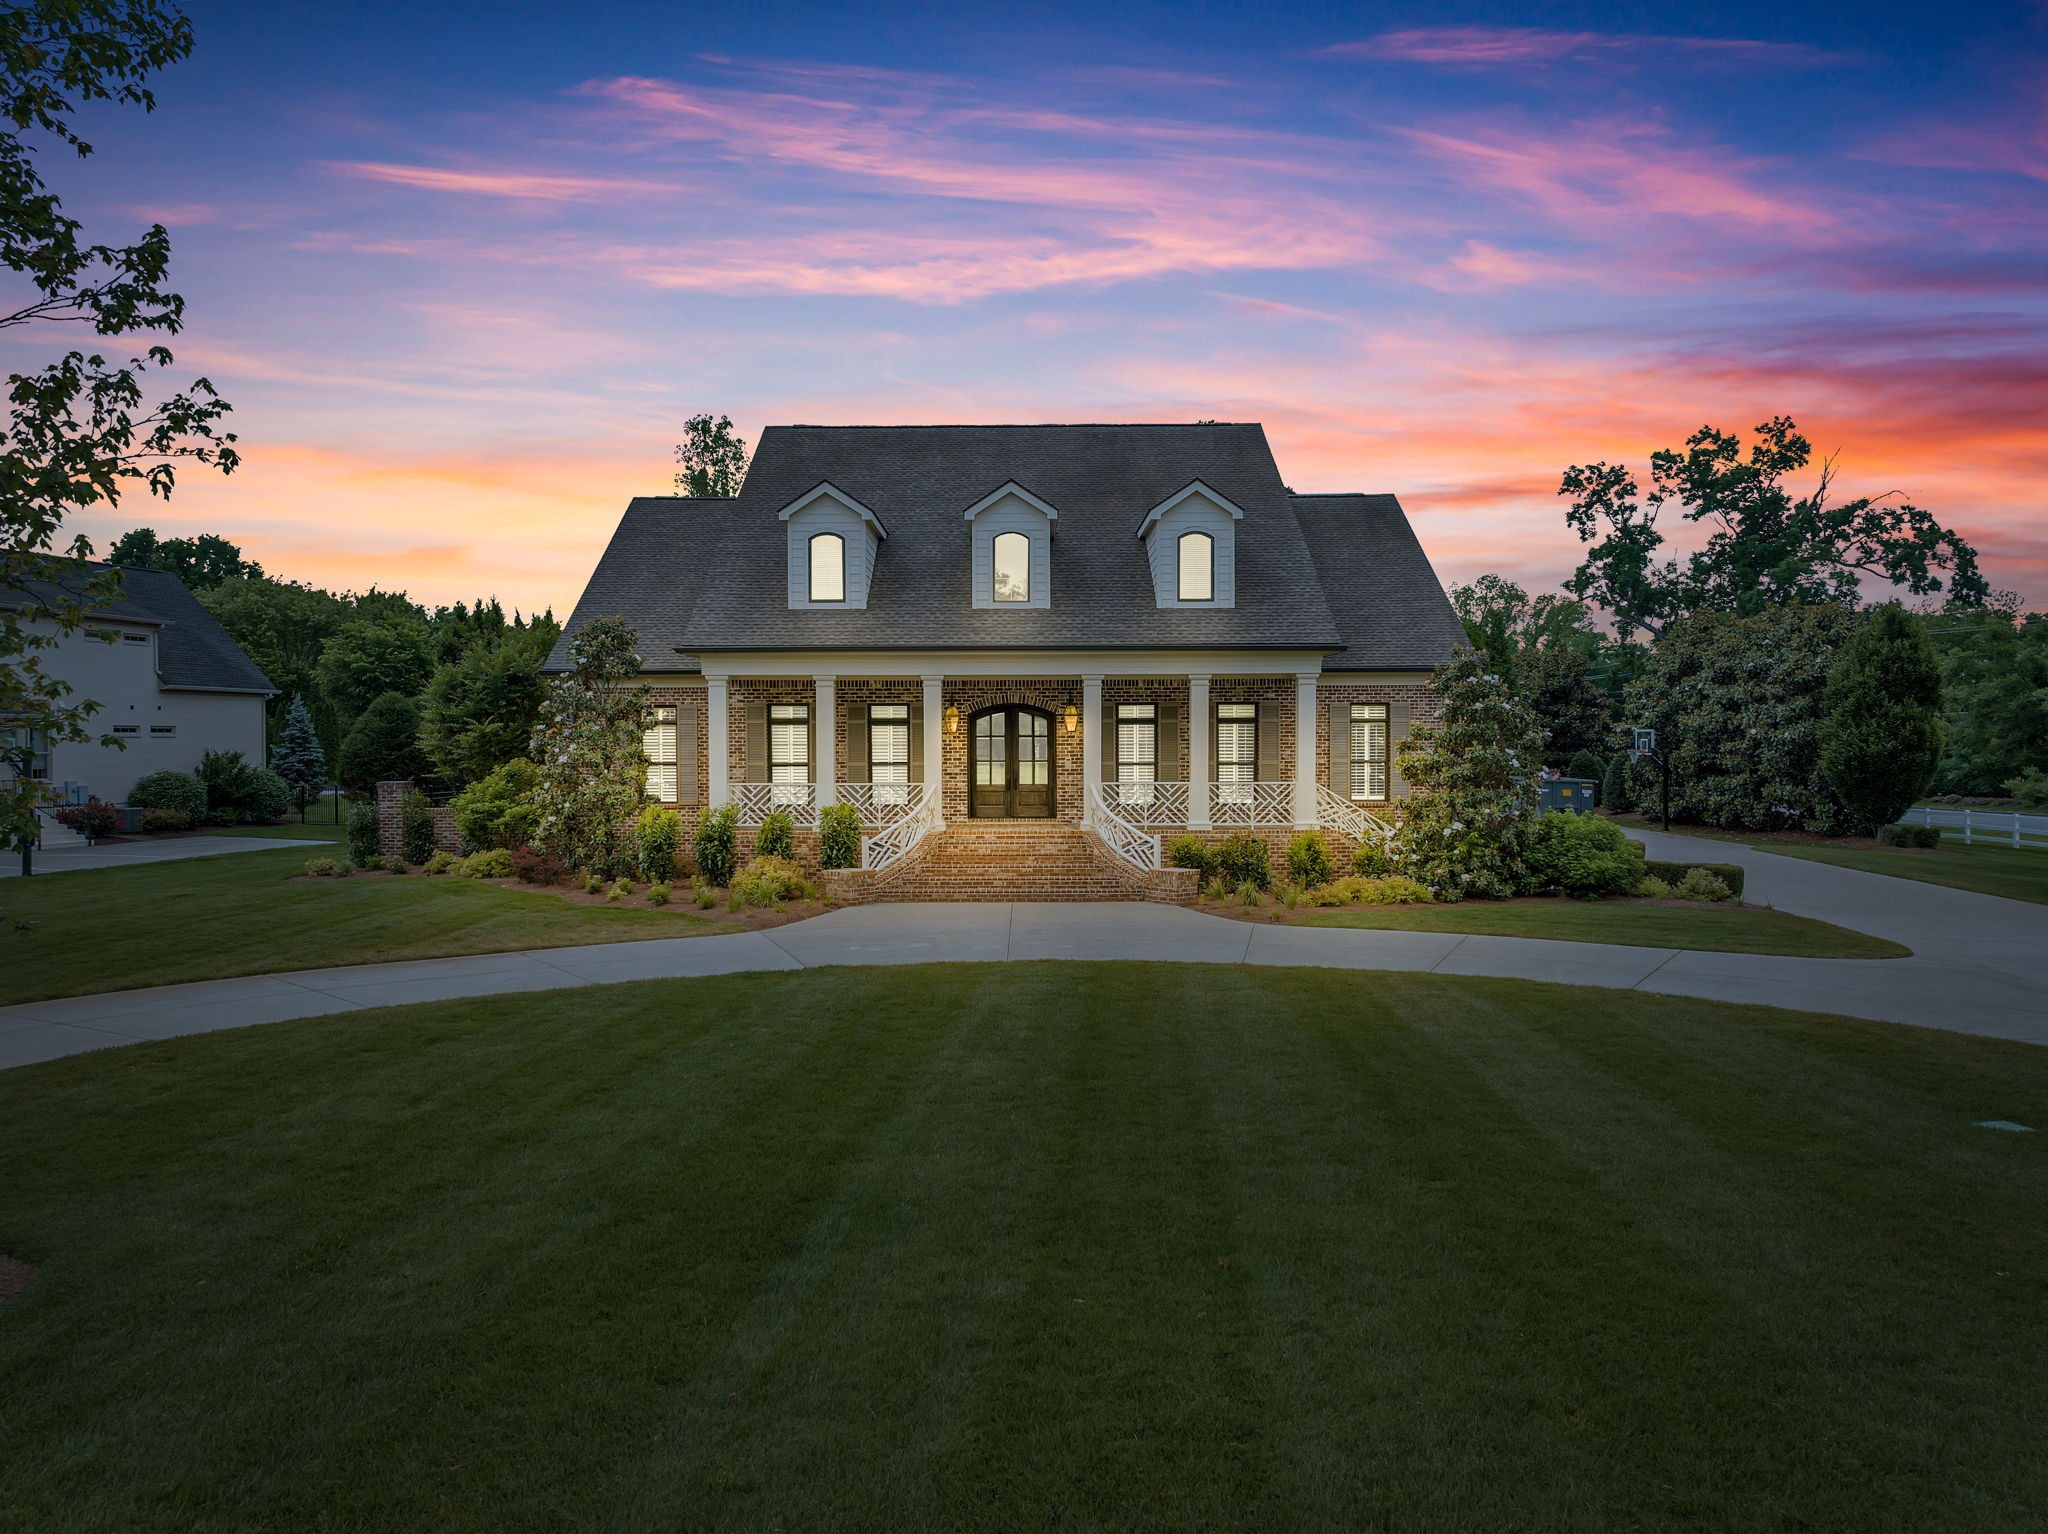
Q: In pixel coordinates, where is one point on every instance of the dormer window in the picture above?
(828, 567)
(1197, 567)
(1012, 562)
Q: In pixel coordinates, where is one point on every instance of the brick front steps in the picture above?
(1013, 860)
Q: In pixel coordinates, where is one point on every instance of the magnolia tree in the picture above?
(588, 750)
(1473, 777)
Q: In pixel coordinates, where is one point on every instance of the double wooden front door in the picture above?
(1011, 767)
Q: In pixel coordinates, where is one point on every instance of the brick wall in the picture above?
(1424, 707)
(1052, 695)
(389, 842)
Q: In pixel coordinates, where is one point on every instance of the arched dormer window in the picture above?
(828, 567)
(1197, 562)
(1011, 563)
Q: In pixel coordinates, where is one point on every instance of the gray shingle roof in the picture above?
(1378, 582)
(193, 652)
(699, 576)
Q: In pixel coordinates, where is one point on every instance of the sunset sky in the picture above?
(464, 269)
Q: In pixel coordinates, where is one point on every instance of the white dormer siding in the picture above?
(1012, 509)
(830, 510)
(1197, 509)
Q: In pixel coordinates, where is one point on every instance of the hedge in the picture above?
(1672, 873)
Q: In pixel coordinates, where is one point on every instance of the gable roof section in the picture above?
(1010, 487)
(1379, 584)
(193, 652)
(917, 479)
(1196, 488)
(828, 491)
(650, 575)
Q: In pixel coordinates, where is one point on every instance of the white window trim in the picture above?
(811, 568)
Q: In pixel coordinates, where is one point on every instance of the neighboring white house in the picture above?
(170, 684)
(1132, 631)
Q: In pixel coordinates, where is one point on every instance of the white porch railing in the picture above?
(1135, 846)
(1336, 813)
(1251, 804)
(1998, 827)
(895, 842)
(881, 804)
(1148, 803)
(799, 801)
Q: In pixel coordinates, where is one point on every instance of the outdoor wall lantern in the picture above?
(952, 719)
(1073, 719)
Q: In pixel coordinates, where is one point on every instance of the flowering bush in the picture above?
(1474, 776)
(92, 820)
(588, 750)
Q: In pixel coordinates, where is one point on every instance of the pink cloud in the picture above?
(518, 186)
(1489, 46)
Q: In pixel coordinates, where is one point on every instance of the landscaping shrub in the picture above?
(1584, 764)
(269, 797)
(1191, 852)
(1881, 737)
(777, 836)
(1616, 795)
(326, 868)
(1249, 893)
(657, 893)
(362, 834)
(839, 836)
(1583, 855)
(593, 884)
(415, 827)
(617, 890)
(656, 838)
(2030, 788)
(1902, 835)
(1700, 884)
(701, 895)
(93, 819)
(491, 863)
(1653, 888)
(1394, 889)
(441, 862)
(715, 845)
(166, 820)
(383, 745)
(393, 865)
(218, 818)
(1308, 860)
(227, 778)
(1674, 874)
(1241, 860)
(498, 810)
(1473, 773)
(536, 867)
(1372, 861)
(178, 791)
(1215, 889)
(589, 746)
(768, 881)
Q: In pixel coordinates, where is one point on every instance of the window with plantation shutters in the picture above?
(789, 746)
(1237, 751)
(658, 740)
(889, 751)
(1368, 751)
(1137, 751)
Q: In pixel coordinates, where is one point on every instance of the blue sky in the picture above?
(464, 269)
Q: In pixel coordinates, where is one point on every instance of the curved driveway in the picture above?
(1980, 963)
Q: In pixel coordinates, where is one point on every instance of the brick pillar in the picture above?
(388, 795)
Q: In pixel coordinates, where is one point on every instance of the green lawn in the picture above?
(2018, 873)
(1715, 929)
(1030, 1246)
(241, 914)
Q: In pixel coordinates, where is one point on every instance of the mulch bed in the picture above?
(15, 1276)
(680, 902)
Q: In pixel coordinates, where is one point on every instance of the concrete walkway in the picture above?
(1978, 965)
(170, 849)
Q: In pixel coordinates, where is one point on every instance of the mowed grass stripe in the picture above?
(947, 1246)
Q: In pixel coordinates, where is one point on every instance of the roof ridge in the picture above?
(1002, 425)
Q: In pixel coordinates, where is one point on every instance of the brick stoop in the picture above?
(1015, 860)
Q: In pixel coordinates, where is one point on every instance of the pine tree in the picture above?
(1881, 735)
(588, 749)
(1474, 776)
(297, 757)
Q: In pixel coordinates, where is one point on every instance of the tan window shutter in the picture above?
(1269, 741)
(1340, 749)
(917, 742)
(1109, 733)
(1169, 768)
(686, 747)
(858, 768)
(1397, 731)
(757, 741)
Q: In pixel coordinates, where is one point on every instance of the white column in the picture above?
(1091, 742)
(825, 742)
(1200, 716)
(935, 736)
(1304, 750)
(717, 744)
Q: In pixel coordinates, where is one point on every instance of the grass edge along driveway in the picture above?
(975, 1246)
(1719, 928)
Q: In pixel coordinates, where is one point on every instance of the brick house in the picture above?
(1027, 655)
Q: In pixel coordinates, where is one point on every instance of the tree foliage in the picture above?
(89, 424)
(367, 657)
(1994, 676)
(713, 456)
(383, 745)
(297, 757)
(1766, 547)
(1547, 650)
(588, 749)
(1880, 740)
(201, 563)
(480, 709)
(1474, 779)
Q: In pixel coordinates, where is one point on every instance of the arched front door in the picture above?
(1011, 767)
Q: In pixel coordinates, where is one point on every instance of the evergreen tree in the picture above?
(1474, 776)
(383, 746)
(1881, 735)
(588, 749)
(297, 757)
(480, 710)
(1616, 796)
(1584, 764)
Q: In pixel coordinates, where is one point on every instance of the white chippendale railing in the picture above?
(1251, 804)
(1336, 813)
(1136, 847)
(1149, 803)
(799, 801)
(895, 842)
(881, 804)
